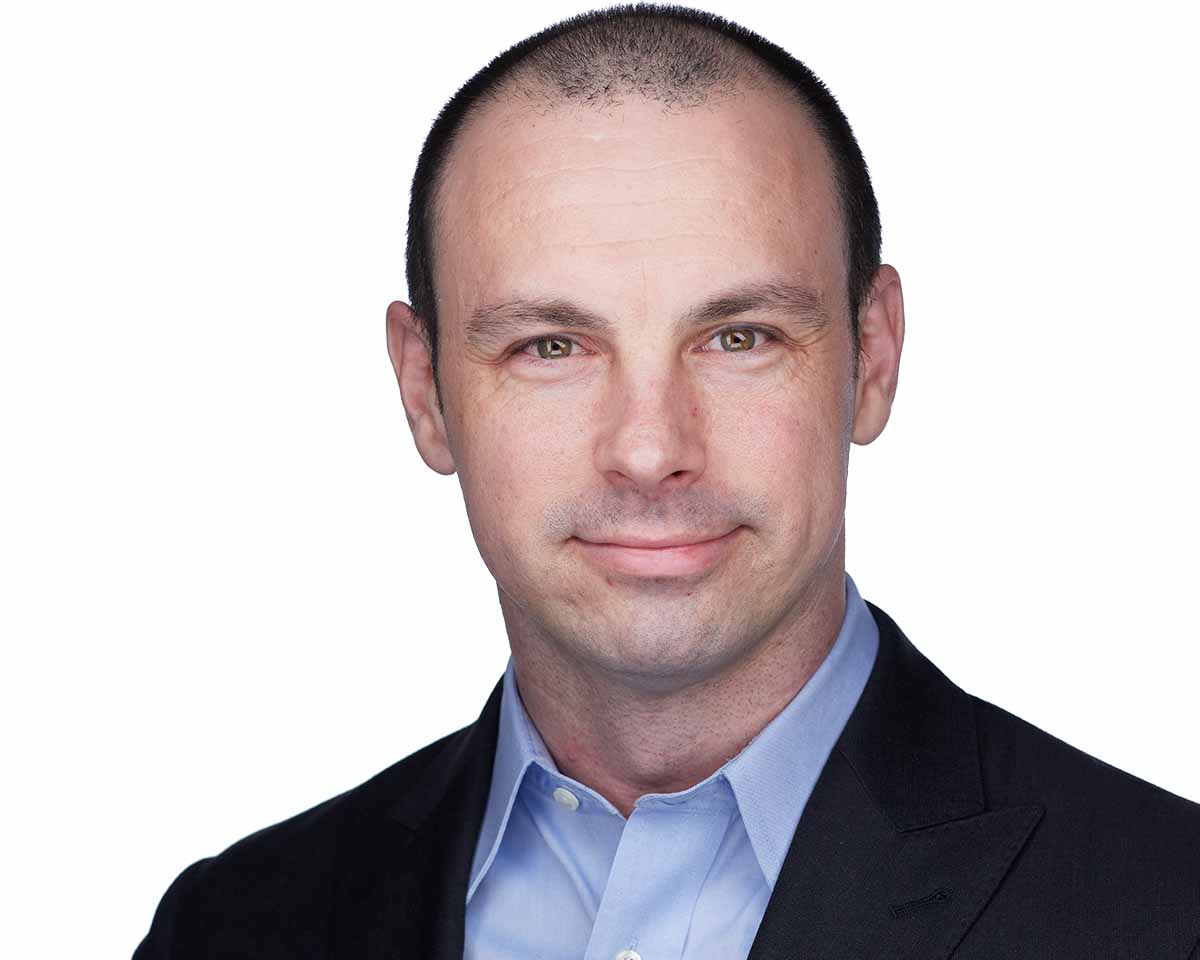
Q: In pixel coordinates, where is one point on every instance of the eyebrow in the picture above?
(496, 322)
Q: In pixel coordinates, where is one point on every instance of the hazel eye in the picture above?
(743, 339)
(738, 339)
(559, 347)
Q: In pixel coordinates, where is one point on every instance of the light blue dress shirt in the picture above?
(559, 874)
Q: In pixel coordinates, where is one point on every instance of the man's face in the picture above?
(655, 426)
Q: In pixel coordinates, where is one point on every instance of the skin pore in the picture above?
(650, 422)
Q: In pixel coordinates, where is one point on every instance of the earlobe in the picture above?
(410, 357)
(881, 333)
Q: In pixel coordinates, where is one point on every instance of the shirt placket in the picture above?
(662, 860)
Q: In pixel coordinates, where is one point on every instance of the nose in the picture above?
(652, 434)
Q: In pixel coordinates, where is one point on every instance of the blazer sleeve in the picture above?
(157, 944)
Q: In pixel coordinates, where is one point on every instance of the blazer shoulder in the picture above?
(315, 831)
(1093, 809)
(1018, 757)
(1113, 857)
(280, 880)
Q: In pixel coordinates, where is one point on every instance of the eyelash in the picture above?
(519, 349)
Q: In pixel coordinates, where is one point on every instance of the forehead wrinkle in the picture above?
(552, 186)
(496, 135)
(727, 167)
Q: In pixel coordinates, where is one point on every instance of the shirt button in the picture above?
(571, 802)
(628, 955)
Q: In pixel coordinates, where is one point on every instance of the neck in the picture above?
(624, 741)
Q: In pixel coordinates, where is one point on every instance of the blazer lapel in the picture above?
(895, 854)
(405, 879)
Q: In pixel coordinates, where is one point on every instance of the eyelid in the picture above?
(518, 349)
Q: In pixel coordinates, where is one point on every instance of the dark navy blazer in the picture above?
(941, 826)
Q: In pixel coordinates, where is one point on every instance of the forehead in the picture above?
(635, 202)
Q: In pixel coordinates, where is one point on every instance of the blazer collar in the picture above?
(894, 855)
(911, 738)
(404, 869)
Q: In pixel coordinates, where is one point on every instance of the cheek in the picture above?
(518, 465)
(797, 449)
(498, 458)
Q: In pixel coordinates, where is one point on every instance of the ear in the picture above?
(414, 372)
(881, 335)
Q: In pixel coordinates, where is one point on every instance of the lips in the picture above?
(658, 543)
(659, 557)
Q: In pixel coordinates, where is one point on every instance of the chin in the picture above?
(665, 662)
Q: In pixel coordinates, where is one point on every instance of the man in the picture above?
(648, 320)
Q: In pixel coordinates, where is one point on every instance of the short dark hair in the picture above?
(665, 52)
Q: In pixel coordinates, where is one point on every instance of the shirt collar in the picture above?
(775, 773)
(517, 746)
(772, 777)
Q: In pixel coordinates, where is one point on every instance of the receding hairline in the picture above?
(523, 93)
(531, 87)
(684, 65)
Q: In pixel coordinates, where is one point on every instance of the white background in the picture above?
(232, 589)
